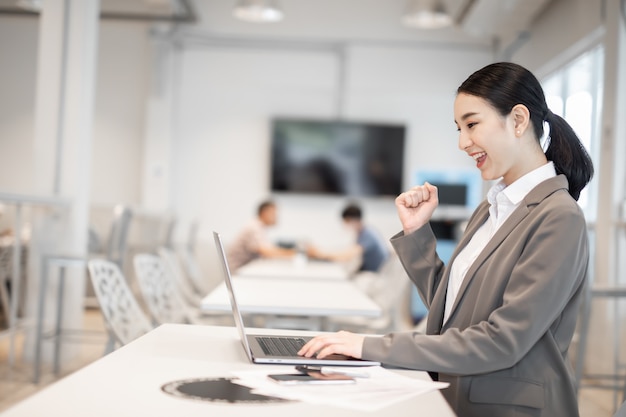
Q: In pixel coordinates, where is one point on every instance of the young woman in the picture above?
(502, 314)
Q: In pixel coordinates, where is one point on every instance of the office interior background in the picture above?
(166, 107)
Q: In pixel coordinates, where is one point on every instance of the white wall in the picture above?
(227, 95)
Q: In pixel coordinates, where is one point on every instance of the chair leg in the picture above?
(59, 321)
(40, 312)
(110, 346)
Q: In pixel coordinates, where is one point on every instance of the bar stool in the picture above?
(62, 262)
(615, 381)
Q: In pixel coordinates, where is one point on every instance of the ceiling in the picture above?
(476, 21)
(176, 11)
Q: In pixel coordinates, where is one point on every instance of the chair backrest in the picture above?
(182, 283)
(392, 283)
(390, 289)
(123, 316)
(192, 236)
(118, 236)
(158, 290)
(192, 269)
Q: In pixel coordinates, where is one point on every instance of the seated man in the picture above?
(368, 246)
(253, 242)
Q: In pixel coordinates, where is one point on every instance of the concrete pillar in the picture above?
(68, 42)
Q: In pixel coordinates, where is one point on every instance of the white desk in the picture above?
(293, 297)
(293, 269)
(128, 382)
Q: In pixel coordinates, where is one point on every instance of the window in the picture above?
(574, 93)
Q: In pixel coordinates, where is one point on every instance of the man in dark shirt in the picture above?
(368, 246)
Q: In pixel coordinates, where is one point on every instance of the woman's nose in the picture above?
(464, 141)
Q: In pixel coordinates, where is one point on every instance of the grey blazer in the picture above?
(504, 348)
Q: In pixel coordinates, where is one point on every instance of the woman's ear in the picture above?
(521, 119)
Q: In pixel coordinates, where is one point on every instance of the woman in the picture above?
(502, 315)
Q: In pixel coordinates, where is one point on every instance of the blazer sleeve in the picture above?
(418, 254)
(544, 278)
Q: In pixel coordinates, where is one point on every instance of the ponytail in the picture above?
(568, 154)
(504, 85)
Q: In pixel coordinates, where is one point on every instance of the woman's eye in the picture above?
(471, 125)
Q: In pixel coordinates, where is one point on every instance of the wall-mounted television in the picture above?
(336, 157)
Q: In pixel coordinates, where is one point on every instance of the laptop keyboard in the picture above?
(281, 346)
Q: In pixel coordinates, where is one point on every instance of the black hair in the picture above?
(505, 85)
(352, 211)
(265, 204)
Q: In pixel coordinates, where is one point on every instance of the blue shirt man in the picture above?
(374, 251)
(368, 246)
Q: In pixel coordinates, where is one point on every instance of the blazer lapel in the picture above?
(536, 195)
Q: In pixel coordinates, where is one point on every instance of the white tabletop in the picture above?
(128, 382)
(297, 268)
(293, 297)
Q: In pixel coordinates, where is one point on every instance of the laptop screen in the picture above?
(231, 293)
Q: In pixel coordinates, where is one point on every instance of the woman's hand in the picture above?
(344, 343)
(416, 206)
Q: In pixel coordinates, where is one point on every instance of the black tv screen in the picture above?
(337, 157)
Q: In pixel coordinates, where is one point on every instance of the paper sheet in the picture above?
(381, 389)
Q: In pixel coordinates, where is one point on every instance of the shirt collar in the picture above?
(519, 189)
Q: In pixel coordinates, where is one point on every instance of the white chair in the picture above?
(199, 283)
(158, 290)
(183, 285)
(124, 318)
(165, 303)
(389, 288)
(193, 272)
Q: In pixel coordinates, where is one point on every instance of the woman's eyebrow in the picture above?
(466, 116)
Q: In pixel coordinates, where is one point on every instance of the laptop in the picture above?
(275, 349)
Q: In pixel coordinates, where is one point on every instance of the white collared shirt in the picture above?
(504, 200)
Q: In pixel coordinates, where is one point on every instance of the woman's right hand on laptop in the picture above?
(343, 343)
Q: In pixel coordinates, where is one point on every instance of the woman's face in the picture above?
(487, 137)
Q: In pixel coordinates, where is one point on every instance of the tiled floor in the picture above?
(17, 385)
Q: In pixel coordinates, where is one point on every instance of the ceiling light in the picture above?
(427, 15)
(258, 11)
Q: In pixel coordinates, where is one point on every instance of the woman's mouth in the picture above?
(480, 158)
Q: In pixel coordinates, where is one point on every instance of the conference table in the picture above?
(297, 268)
(142, 379)
(298, 297)
(292, 293)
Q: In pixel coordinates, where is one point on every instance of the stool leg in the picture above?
(39, 329)
(616, 351)
(59, 320)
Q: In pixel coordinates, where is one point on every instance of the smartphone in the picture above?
(311, 378)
